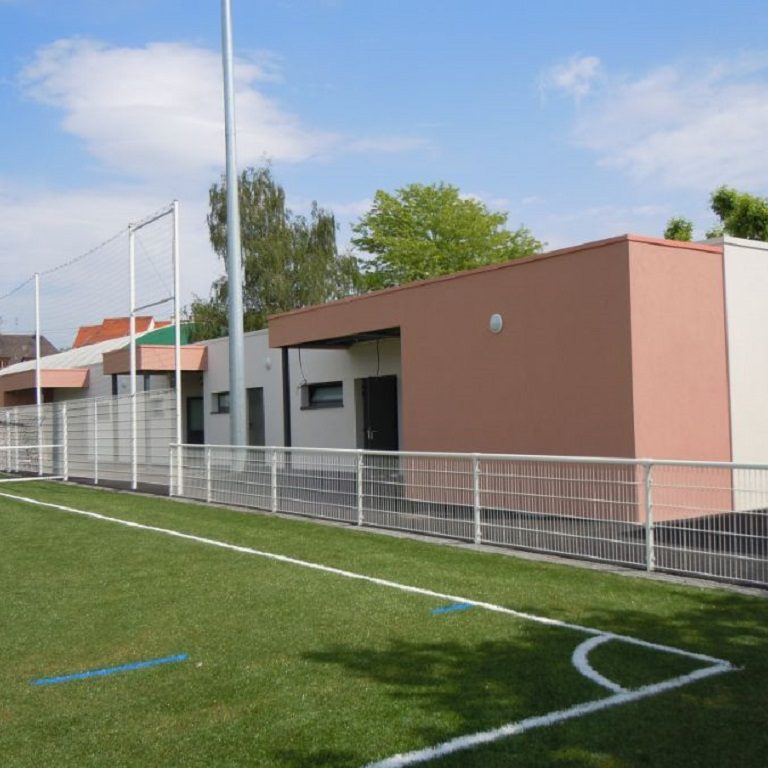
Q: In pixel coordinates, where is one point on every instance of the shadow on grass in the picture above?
(440, 690)
(423, 693)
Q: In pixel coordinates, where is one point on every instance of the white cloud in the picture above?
(350, 209)
(387, 144)
(692, 125)
(42, 229)
(575, 77)
(158, 110)
(156, 113)
(494, 203)
(565, 228)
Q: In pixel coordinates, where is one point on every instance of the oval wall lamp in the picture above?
(496, 323)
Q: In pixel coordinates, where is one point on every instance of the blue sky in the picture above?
(582, 120)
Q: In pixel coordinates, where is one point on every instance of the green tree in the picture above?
(740, 214)
(289, 261)
(679, 228)
(422, 231)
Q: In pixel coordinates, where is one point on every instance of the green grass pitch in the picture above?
(294, 667)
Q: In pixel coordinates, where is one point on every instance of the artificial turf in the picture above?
(293, 667)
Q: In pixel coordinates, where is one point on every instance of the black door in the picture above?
(256, 416)
(195, 421)
(380, 413)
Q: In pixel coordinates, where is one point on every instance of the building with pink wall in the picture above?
(612, 348)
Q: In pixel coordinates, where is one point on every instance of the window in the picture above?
(220, 402)
(327, 394)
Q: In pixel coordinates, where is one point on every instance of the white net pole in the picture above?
(177, 332)
(134, 420)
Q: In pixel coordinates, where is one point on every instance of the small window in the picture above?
(220, 402)
(328, 394)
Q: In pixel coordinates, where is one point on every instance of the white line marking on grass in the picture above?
(543, 721)
(580, 661)
(715, 666)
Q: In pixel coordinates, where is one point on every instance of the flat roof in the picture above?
(390, 329)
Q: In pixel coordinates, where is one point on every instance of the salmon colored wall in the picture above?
(680, 374)
(75, 378)
(615, 348)
(556, 380)
(155, 357)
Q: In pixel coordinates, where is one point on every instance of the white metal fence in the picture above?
(699, 519)
(94, 440)
(32, 462)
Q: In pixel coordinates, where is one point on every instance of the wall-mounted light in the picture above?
(268, 363)
(495, 323)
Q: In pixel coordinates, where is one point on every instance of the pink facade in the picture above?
(613, 348)
(156, 358)
(19, 388)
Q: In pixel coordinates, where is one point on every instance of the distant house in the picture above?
(114, 328)
(18, 347)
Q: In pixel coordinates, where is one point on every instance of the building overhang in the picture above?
(50, 378)
(346, 341)
(156, 358)
(339, 324)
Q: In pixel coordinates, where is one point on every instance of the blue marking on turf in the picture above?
(452, 608)
(110, 670)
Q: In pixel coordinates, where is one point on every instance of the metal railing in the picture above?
(96, 436)
(701, 519)
(693, 518)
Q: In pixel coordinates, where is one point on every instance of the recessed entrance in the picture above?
(195, 421)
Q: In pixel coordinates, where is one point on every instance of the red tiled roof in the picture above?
(111, 328)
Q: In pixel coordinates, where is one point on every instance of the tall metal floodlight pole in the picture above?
(237, 416)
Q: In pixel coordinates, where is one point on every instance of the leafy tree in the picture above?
(288, 261)
(422, 231)
(679, 228)
(741, 214)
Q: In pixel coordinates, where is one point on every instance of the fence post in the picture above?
(16, 441)
(65, 440)
(95, 442)
(8, 441)
(476, 497)
(360, 465)
(208, 476)
(171, 459)
(273, 479)
(650, 555)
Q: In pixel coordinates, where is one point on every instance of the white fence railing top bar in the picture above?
(699, 518)
(707, 519)
(618, 461)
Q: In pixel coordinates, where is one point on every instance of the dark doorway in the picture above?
(380, 413)
(256, 416)
(195, 421)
